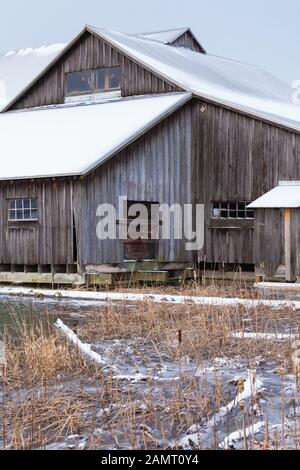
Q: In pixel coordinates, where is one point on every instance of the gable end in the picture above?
(89, 52)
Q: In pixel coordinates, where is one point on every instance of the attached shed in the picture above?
(277, 235)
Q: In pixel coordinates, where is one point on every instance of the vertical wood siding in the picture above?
(192, 156)
(187, 40)
(156, 168)
(88, 53)
(48, 241)
(239, 159)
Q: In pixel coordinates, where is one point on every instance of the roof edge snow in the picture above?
(284, 196)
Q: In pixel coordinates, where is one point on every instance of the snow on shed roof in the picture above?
(285, 195)
(19, 68)
(237, 85)
(166, 37)
(72, 140)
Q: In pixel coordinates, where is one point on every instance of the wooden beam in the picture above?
(287, 245)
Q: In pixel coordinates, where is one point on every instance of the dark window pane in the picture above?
(232, 205)
(12, 204)
(224, 214)
(241, 214)
(224, 205)
(79, 82)
(250, 214)
(232, 214)
(12, 215)
(34, 203)
(241, 205)
(27, 214)
(34, 214)
(114, 79)
(19, 214)
(216, 205)
(26, 203)
(19, 203)
(100, 79)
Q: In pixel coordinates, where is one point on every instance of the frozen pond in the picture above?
(15, 309)
(234, 390)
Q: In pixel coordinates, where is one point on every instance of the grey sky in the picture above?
(262, 32)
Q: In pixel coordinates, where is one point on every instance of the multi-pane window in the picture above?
(23, 209)
(93, 81)
(231, 210)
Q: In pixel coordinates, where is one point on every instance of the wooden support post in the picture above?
(287, 245)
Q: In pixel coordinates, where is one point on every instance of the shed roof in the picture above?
(19, 68)
(73, 140)
(285, 195)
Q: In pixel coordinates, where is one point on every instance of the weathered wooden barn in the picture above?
(157, 119)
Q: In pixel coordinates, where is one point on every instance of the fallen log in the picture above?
(84, 348)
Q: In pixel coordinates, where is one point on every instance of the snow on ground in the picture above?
(241, 435)
(156, 298)
(261, 336)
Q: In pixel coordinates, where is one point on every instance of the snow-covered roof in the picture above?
(285, 195)
(166, 37)
(19, 68)
(234, 84)
(72, 140)
(237, 85)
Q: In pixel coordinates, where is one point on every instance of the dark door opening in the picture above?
(145, 247)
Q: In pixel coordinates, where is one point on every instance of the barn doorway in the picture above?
(145, 247)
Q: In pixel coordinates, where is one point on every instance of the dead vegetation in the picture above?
(178, 365)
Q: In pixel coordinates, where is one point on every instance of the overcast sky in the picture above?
(262, 32)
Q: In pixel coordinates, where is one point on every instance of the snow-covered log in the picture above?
(239, 435)
(84, 348)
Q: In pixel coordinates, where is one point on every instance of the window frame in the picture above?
(233, 213)
(23, 209)
(94, 89)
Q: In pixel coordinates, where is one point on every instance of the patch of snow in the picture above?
(237, 436)
(262, 336)
(252, 386)
(156, 298)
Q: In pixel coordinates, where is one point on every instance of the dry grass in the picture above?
(50, 392)
(205, 330)
(36, 353)
(39, 420)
